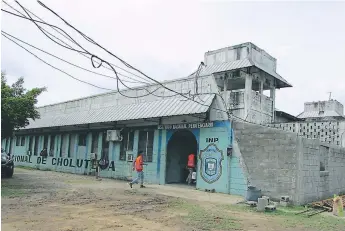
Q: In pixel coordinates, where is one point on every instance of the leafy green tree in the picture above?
(17, 105)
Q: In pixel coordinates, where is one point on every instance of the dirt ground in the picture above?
(44, 200)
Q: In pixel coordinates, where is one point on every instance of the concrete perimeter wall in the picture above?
(281, 163)
(322, 170)
(270, 158)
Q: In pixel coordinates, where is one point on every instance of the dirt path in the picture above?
(42, 200)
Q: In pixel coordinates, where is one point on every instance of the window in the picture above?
(127, 144)
(64, 142)
(72, 142)
(82, 140)
(105, 147)
(45, 142)
(22, 141)
(52, 145)
(146, 144)
(31, 141)
(324, 152)
(18, 141)
(94, 144)
(37, 140)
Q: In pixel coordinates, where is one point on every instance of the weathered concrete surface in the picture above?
(281, 163)
(271, 159)
(322, 170)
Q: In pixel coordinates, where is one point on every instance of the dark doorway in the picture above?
(181, 144)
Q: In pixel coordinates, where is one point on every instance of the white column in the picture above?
(273, 97)
(262, 101)
(247, 96)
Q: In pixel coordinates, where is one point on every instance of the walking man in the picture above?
(190, 166)
(138, 165)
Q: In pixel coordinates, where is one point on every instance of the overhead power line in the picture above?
(3, 34)
(63, 60)
(121, 60)
(109, 64)
(93, 57)
(85, 51)
(144, 81)
(126, 64)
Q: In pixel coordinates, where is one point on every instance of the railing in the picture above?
(260, 102)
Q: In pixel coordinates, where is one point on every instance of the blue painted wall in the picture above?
(231, 178)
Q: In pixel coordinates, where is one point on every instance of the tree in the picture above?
(17, 105)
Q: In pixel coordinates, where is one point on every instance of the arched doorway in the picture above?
(181, 144)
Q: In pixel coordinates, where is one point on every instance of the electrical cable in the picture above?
(56, 67)
(92, 61)
(146, 82)
(92, 58)
(125, 63)
(63, 60)
(92, 41)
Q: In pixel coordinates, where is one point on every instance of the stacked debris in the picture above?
(335, 205)
(263, 204)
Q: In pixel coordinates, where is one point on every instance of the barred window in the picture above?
(52, 145)
(37, 140)
(94, 145)
(146, 144)
(18, 141)
(22, 141)
(82, 140)
(127, 144)
(45, 141)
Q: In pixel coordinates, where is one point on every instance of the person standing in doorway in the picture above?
(138, 166)
(190, 167)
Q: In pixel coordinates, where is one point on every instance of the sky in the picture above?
(168, 39)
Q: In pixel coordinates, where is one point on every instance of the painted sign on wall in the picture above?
(211, 163)
(186, 126)
(66, 162)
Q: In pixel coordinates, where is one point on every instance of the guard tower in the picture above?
(247, 79)
(322, 111)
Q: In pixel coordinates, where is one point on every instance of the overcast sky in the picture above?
(168, 39)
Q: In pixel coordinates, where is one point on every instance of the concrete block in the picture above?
(270, 208)
(284, 203)
(262, 203)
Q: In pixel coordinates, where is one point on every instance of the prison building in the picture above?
(167, 127)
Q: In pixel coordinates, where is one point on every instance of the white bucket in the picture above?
(193, 175)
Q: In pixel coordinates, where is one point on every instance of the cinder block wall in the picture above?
(322, 172)
(281, 163)
(270, 157)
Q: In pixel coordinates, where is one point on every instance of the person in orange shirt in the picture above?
(138, 165)
(190, 167)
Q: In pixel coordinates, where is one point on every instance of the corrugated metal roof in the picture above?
(281, 81)
(247, 62)
(216, 68)
(153, 109)
(316, 114)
